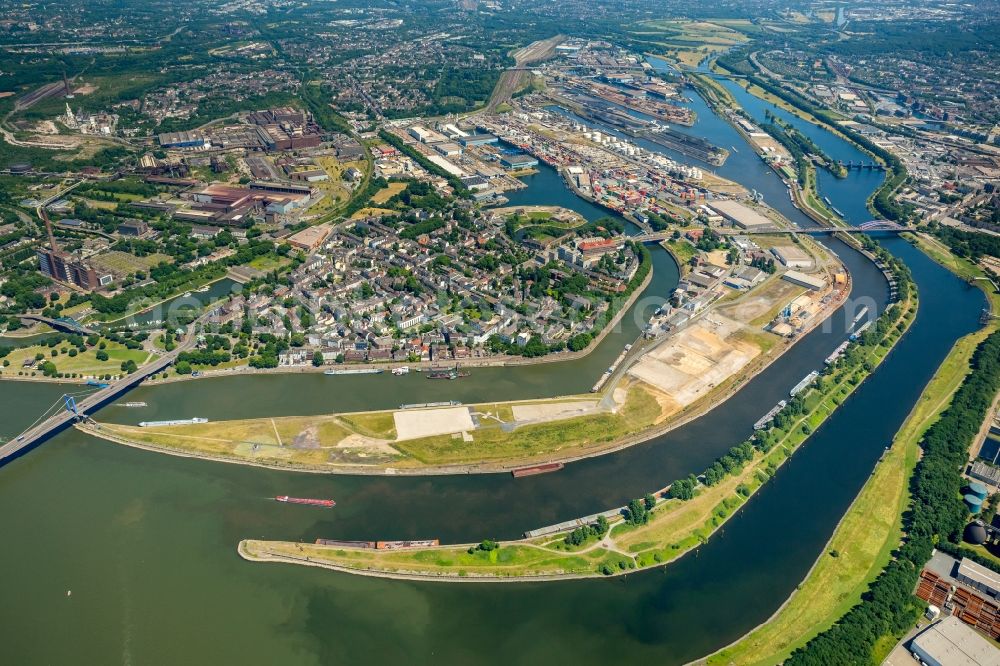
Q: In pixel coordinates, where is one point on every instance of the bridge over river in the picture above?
(74, 410)
(67, 324)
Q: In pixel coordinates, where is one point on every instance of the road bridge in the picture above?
(75, 410)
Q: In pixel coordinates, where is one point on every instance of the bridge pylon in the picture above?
(70, 404)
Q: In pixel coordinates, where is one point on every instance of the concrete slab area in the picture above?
(553, 410)
(417, 423)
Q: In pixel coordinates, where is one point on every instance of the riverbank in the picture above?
(493, 361)
(807, 198)
(502, 361)
(501, 436)
(871, 529)
(672, 527)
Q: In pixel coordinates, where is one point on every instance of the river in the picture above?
(146, 542)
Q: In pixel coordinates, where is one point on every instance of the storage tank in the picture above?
(974, 503)
(975, 533)
(978, 489)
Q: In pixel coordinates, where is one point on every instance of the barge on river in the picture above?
(447, 373)
(174, 422)
(537, 469)
(354, 371)
(324, 503)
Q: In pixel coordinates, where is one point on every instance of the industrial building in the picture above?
(950, 642)
(518, 161)
(133, 228)
(285, 128)
(477, 140)
(792, 256)
(182, 140)
(62, 266)
(310, 238)
(283, 188)
(741, 216)
(978, 577)
(452, 169)
(230, 205)
(424, 135)
(803, 280)
(448, 149)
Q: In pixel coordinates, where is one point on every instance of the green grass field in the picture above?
(84, 364)
(681, 249)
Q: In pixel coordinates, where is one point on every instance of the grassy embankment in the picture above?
(864, 540)
(83, 364)
(871, 529)
(682, 250)
(674, 526)
(369, 438)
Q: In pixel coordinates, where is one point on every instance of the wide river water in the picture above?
(146, 542)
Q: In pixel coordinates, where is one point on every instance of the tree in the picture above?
(102, 355)
(318, 359)
(683, 489)
(636, 513)
(129, 366)
(579, 342)
(183, 368)
(602, 525)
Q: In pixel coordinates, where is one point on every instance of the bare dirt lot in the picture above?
(695, 360)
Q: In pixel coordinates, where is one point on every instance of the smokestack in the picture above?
(67, 91)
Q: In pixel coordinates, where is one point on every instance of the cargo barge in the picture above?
(426, 405)
(354, 371)
(379, 545)
(175, 422)
(537, 469)
(837, 353)
(767, 418)
(325, 503)
(861, 329)
(803, 383)
(447, 373)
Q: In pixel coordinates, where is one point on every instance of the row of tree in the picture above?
(936, 517)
